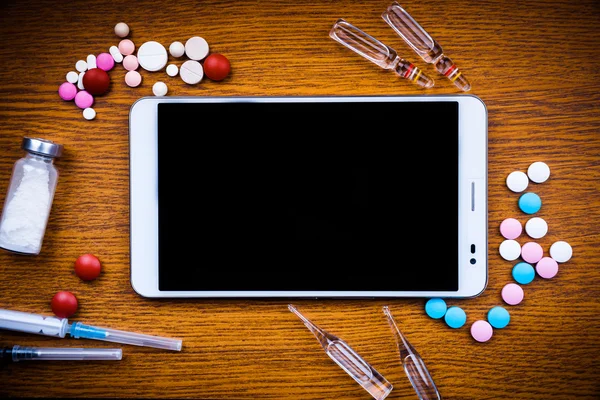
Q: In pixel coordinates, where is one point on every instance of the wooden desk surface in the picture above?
(533, 63)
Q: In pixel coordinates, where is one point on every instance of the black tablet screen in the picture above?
(335, 196)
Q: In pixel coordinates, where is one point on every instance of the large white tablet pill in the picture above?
(517, 181)
(538, 172)
(152, 56)
(196, 48)
(191, 72)
(116, 54)
(510, 249)
(561, 251)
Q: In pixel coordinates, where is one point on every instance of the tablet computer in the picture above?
(309, 197)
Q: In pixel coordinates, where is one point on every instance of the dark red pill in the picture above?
(96, 81)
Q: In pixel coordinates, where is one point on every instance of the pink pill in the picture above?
(512, 294)
(84, 100)
(532, 252)
(133, 79)
(105, 61)
(67, 91)
(547, 267)
(511, 228)
(481, 331)
(126, 47)
(130, 63)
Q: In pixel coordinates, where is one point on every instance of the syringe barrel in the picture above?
(33, 323)
(65, 354)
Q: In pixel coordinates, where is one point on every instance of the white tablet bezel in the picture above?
(473, 229)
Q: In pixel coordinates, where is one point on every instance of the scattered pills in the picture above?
(152, 56)
(91, 61)
(481, 331)
(130, 63)
(96, 81)
(530, 203)
(191, 72)
(126, 47)
(547, 268)
(87, 267)
(532, 252)
(512, 294)
(159, 89)
(511, 228)
(67, 91)
(517, 181)
(105, 61)
(116, 54)
(64, 304)
(455, 317)
(89, 113)
(80, 81)
(538, 172)
(561, 251)
(435, 308)
(196, 48)
(510, 249)
(83, 99)
(72, 77)
(216, 67)
(523, 273)
(122, 29)
(536, 227)
(172, 70)
(133, 79)
(498, 317)
(81, 66)
(177, 49)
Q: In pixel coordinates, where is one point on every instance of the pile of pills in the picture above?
(92, 79)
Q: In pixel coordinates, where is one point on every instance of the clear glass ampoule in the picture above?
(377, 52)
(423, 44)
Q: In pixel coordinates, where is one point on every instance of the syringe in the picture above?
(60, 327)
(20, 353)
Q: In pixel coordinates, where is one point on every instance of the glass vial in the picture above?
(29, 198)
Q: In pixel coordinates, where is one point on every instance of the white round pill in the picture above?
(160, 89)
(536, 227)
(91, 61)
(116, 54)
(122, 29)
(510, 249)
(80, 81)
(538, 172)
(196, 48)
(152, 56)
(517, 181)
(191, 72)
(177, 49)
(89, 114)
(81, 66)
(172, 70)
(561, 251)
(72, 77)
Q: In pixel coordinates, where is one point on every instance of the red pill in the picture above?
(216, 67)
(96, 81)
(64, 304)
(87, 267)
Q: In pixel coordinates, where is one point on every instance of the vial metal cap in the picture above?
(42, 147)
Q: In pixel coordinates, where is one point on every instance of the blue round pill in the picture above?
(498, 317)
(530, 203)
(455, 317)
(435, 308)
(523, 273)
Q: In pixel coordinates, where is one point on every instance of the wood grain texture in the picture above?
(533, 63)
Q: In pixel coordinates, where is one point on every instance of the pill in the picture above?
(517, 181)
(83, 99)
(81, 66)
(216, 67)
(191, 72)
(91, 61)
(116, 54)
(523, 273)
(435, 308)
(196, 48)
(530, 203)
(532, 252)
(72, 77)
(510, 249)
(561, 251)
(133, 79)
(498, 317)
(126, 47)
(538, 172)
(177, 49)
(96, 81)
(122, 29)
(481, 331)
(130, 63)
(511, 228)
(512, 294)
(455, 317)
(152, 56)
(80, 81)
(105, 61)
(160, 89)
(172, 70)
(536, 227)
(89, 114)
(67, 91)
(547, 268)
